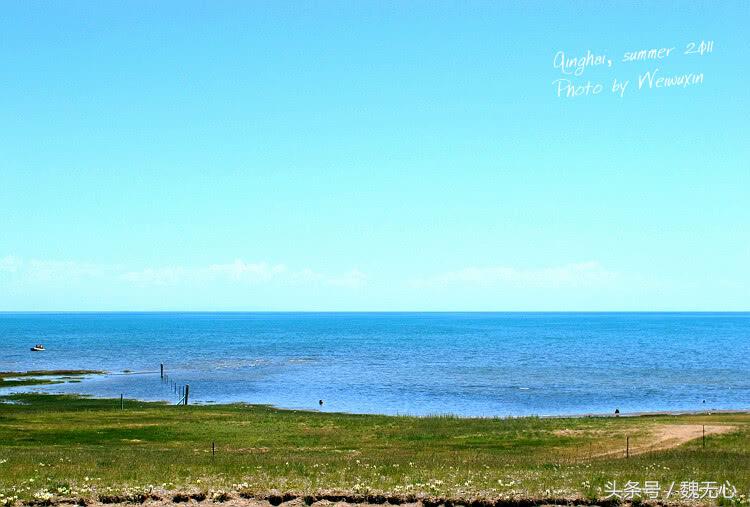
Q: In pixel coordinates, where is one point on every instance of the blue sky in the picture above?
(369, 156)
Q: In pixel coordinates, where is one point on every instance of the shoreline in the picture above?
(34, 378)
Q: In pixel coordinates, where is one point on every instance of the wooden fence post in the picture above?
(627, 447)
(187, 393)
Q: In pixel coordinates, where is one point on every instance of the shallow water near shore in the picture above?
(471, 364)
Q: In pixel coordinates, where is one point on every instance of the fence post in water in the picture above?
(161, 366)
(187, 393)
(627, 447)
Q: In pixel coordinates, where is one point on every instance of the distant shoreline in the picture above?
(56, 377)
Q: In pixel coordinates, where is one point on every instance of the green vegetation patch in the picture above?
(40, 377)
(67, 445)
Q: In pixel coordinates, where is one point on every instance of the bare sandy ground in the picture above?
(667, 436)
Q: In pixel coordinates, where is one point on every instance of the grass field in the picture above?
(69, 447)
(29, 378)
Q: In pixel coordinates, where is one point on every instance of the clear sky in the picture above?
(370, 156)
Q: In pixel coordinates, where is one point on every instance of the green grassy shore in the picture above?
(42, 377)
(54, 446)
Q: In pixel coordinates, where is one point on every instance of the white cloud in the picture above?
(241, 270)
(154, 276)
(42, 271)
(235, 272)
(353, 279)
(583, 274)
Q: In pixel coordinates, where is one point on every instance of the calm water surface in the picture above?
(480, 364)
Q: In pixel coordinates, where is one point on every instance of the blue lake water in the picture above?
(478, 364)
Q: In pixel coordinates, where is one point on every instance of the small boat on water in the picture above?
(38, 348)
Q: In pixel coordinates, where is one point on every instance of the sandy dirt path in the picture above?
(667, 436)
